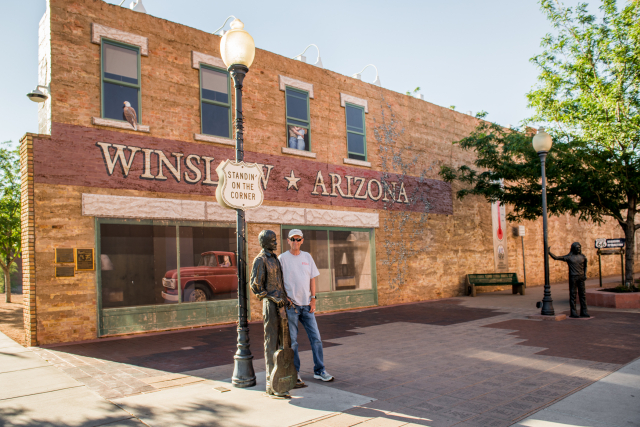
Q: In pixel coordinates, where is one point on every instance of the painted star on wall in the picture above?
(292, 180)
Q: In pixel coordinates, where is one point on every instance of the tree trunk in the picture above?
(630, 237)
(7, 284)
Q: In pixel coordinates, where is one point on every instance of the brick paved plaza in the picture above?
(461, 361)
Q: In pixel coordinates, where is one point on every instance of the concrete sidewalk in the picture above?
(35, 393)
(614, 401)
(464, 362)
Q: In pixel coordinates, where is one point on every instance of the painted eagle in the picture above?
(130, 115)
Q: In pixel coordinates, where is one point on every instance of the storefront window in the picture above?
(139, 264)
(134, 260)
(208, 267)
(343, 258)
(351, 260)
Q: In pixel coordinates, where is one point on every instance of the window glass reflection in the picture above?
(134, 260)
(351, 260)
(215, 85)
(139, 264)
(208, 267)
(113, 98)
(342, 257)
(215, 120)
(120, 63)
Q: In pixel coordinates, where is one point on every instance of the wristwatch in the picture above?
(313, 297)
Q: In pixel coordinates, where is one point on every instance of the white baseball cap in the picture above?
(295, 232)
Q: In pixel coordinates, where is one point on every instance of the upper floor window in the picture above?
(298, 121)
(120, 79)
(215, 102)
(356, 135)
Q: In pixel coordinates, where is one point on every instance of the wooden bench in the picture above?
(494, 279)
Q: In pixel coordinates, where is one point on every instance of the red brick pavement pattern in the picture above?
(204, 348)
(139, 364)
(608, 337)
(464, 375)
(436, 363)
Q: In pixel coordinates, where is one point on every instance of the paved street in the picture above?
(462, 361)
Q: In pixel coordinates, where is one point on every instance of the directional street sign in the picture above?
(609, 243)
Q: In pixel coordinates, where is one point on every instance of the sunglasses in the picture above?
(296, 240)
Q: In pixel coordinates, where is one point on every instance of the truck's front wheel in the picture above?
(196, 293)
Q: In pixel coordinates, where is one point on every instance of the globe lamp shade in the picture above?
(542, 141)
(237, 46)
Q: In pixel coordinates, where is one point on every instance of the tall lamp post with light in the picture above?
(542, 143)
(238, 50)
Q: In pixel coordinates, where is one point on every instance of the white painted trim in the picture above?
(108, 206)
(356, 162)
(342, 218)
(288, 81)
(198, 57)
(118, 124)
(214, 139)
(353, 100)
(98, 31)
(301, 153)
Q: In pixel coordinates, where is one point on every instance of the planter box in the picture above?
(596, 298)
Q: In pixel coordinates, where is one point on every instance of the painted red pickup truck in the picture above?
(216, 273)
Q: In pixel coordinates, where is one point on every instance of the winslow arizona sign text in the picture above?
(152, 164)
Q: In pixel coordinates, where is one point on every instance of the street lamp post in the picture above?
(238, 50)
(542, 143)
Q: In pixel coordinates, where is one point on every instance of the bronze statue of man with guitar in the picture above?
(268, 284)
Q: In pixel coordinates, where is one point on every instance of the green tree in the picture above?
(589, 92)
(10, 238)
(412, 93)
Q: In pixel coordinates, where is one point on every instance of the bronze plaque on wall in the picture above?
(64, 255)
(84, 259)
(65, 272)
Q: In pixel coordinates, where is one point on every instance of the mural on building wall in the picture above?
(112, 160)
(298, 137)
(411, 227)
(500, 248)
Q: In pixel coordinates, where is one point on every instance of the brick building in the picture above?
(352, 164)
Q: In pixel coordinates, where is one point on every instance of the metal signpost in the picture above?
(610, 247)
(524, 268)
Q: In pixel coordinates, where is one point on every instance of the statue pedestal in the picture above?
(556, 318)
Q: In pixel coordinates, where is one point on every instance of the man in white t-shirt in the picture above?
(300, 274)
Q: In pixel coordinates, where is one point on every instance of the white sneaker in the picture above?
(324, 376)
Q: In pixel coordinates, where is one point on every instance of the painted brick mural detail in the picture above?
(82, 156)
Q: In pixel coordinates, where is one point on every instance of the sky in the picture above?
(474, 55)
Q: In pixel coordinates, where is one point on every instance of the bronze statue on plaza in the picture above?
(577, 263)
(268, 284)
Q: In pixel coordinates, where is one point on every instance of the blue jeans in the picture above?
(308, 321)
(293, 142)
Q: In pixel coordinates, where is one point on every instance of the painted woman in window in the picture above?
(296, 137)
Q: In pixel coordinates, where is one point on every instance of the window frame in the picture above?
(372, 246)
(111, 42)
(287, 117)
(364, 128)
(220, 104)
